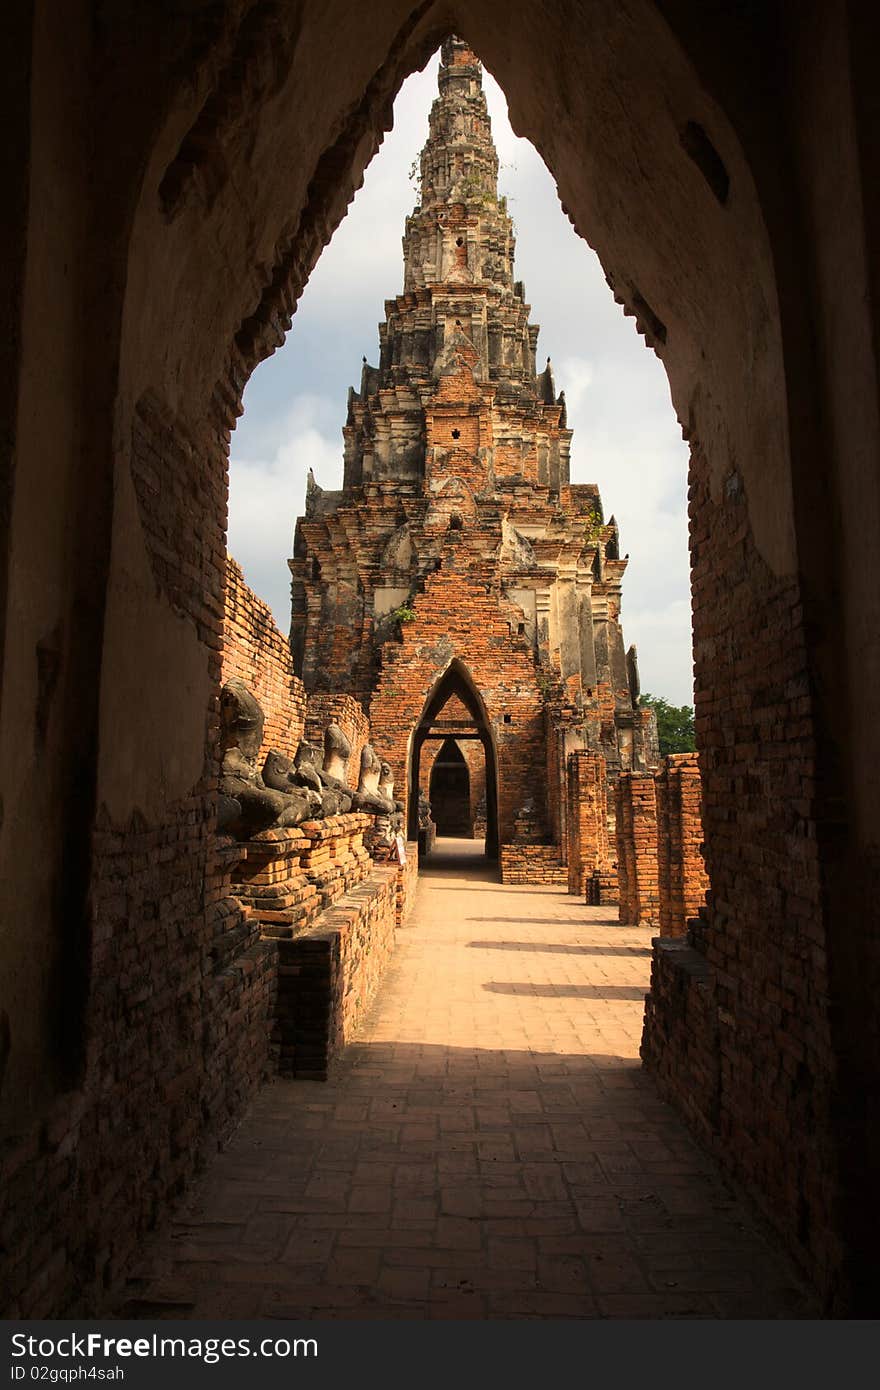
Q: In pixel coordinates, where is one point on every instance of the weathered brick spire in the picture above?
(461, 232)
(461, 318)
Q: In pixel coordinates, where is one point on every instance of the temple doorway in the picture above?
(450, 792)
(460, 781)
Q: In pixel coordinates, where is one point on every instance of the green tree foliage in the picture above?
(675, 725)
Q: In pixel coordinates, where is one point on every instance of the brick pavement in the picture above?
(488, 1147)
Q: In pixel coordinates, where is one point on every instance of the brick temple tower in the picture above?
(458, 583)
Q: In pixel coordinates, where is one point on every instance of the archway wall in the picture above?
(457, 620)
(143, 290)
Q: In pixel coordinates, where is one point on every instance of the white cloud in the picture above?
(267, 492)
(577, 373)
(662, 631)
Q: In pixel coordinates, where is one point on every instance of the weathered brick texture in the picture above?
(737, 1026)
(524, 863)
(324, 708)
(255, 652)
(286, 877)
(681, 869)
(407, 882)
(180, 985)
(636, 829)
(328, 974)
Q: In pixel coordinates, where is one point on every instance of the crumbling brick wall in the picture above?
(724, 1026)
(525, 863)
(681, 869)
(255, 652)
(324, 708)
(179, 986)
(636, 822)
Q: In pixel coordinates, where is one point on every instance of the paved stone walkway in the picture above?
(489, 1147)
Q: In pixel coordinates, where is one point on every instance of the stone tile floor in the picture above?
(488, 1147)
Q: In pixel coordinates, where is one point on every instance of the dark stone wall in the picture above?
(737, 1028)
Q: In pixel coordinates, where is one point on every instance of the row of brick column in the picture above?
(635, 806)
(662, 876)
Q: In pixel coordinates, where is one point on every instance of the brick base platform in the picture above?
(533, 864)
(602, 888)
(288, 876)
(328, 974)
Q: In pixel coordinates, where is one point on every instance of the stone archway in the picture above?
(456, 683)
(700, 156)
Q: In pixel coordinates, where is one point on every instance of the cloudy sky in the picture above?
(626, 437)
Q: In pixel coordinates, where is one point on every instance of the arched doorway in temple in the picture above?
(469, 722)
(449, 791)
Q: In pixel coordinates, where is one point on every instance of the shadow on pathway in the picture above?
(487, 1148)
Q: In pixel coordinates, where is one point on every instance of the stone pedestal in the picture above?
(287, 876)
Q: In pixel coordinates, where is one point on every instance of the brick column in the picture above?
(636, 808)
(682, 874)
(587, 819)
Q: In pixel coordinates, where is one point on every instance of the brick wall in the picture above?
(681, 870)
(737, 1028)
(324, 708)
(524, 863)
(256, 652)
(179, 986)
(407, 882)
(475, 758)
(319, 900)
(286, 877)
(636, 830)
(328, 975)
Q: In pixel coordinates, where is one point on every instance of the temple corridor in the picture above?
(487, 1147)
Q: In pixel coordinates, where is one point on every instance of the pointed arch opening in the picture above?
(455, 684)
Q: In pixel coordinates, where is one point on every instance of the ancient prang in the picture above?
(458, 563)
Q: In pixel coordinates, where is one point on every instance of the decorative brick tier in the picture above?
(533, 864)
(682, 876)
(636, 828)
(287, 877)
